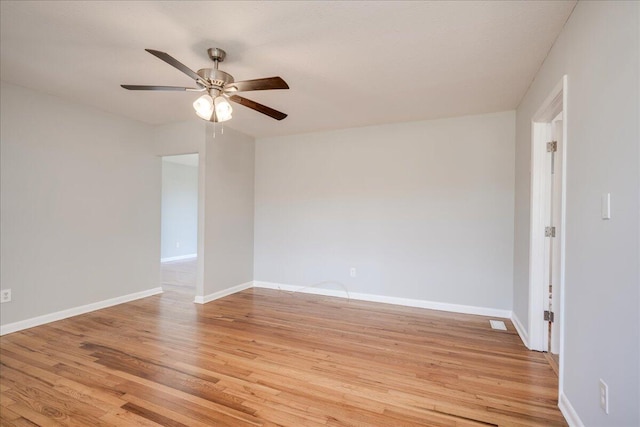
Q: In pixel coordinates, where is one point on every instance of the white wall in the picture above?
(229, 206)
(422, 210)
(179, 209)
(181, 138)
(226, 199)
(599, 51)
(80, 209)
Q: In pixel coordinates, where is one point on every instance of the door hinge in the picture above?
(549, 232)
(548, 316)
(552, 146)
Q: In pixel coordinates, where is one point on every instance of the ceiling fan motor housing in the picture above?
(215, 77)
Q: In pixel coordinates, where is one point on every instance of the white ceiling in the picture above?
(348, 64)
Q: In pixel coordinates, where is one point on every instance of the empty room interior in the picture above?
(320, 213)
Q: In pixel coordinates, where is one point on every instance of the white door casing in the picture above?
(541, 133)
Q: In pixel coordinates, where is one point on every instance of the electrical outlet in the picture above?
(352, 272)
(177, 244)
(5, 295)
(604, 396)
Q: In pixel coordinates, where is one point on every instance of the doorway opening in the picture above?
(547, 228)
(179, 224)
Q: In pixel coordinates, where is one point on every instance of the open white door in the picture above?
(553, 267)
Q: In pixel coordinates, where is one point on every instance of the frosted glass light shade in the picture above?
(223, 109)
(204, 106)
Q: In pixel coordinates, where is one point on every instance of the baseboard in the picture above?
(455, 308)
(340, 293)
(178, 258)
(223, 293)
(431, 305)
(569, 413)
(524, 336)
(59, 315)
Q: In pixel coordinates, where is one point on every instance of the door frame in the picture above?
(555, 102)
(199, 290)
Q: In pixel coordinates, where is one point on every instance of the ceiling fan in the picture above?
(219, 86)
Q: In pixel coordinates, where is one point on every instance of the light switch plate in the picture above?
(606, 206)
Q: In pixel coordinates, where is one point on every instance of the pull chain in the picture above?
(215, 126)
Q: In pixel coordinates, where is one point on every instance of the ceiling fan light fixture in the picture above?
(220, 88)
(204, 106)
(223, 108)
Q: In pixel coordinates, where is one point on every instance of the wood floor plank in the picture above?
(123, 418)
(192, 406)
(269, 358)
(28, 415)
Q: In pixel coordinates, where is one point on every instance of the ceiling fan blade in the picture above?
(257, 84)
(175, 63)
(278, 115)
(173, 88)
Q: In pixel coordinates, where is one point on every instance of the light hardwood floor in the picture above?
(264, 357)
(179, 276)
